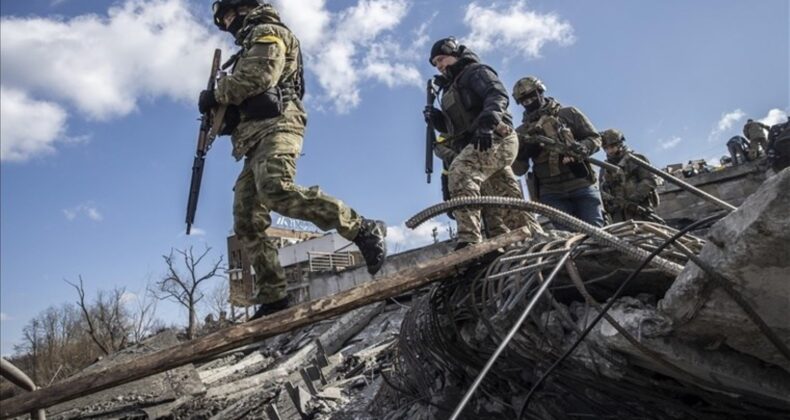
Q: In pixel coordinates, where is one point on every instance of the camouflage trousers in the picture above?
(755, 145)
(265, 184)
(474, 173)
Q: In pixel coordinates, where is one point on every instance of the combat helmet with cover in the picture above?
(220, 7)
(612, 137)
(525, 87)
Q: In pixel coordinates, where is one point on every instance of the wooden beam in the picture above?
(238, 335)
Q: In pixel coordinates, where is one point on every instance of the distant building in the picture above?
(301, 253)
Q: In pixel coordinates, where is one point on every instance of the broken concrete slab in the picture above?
(164, 387)
(751, 248)
(731, 372)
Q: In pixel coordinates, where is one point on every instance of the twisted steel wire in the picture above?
(468, 318)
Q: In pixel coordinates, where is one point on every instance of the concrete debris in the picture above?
(667, 348)
(751, 248)
(152, 394)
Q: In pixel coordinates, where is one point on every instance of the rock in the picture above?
(751, 248)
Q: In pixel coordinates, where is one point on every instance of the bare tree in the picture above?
(144, 319)
(185, 289)
(108, 321)
(86, 313)
(56, 344)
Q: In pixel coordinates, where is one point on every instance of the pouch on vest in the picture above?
(232, 119)
(262, 106)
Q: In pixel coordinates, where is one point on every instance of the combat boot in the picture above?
(266, 309)
(370, 241)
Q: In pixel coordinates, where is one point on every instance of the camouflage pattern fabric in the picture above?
(269, 58)
(756, 145)
(470, 171)
(266, 184)
(630, 194)
(757, 133)
(502, 183)
(498, 221)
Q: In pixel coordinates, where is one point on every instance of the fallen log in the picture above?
(239, 335)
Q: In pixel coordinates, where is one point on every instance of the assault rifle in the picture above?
(563, 149)
(624, 204)
(210, 124)
(430, 133)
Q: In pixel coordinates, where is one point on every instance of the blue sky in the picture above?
(99, 116)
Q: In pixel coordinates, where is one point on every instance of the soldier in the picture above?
(266, 87)
(499, 185)
(562, 182)
(757, 133)
(480, 142)
(629, 194)
(737, 146)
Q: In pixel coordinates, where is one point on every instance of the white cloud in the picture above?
(195, 231)
(28, 127)
(775, 116)
(308, 19)
(400, 238)
(385, 63)
(725, 123)
(346, 48)
(727, 120)
(5, 317)
(669, 143)
(104, 65)
(514, 29)
(88, 210)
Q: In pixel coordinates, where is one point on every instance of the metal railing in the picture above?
(329, 261)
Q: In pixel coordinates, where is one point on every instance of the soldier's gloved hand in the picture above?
(207, 101)
(580, 149)
(431, 114)
(483, 140)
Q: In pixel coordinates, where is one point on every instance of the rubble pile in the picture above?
(700, 331)
(328, 367)
(668, 347)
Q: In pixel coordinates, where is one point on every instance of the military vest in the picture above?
(553, 175)
(459, 110)
(623, 185)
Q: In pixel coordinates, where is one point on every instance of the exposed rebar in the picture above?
(597, 234)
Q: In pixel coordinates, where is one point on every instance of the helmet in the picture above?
(525, 86)
(445, 46)
(220, 7)
(612, 137)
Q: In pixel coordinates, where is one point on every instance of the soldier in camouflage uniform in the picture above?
(264, 91)
(498, 185)
(560, 181)
(629, 194)
(757, 133)
(480, 142)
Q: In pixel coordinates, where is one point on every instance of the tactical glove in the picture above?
(431, 114)
(483, 140)
(580, 149)
(207, 101)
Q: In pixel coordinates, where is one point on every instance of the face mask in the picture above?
(532, 103)
(236, 24)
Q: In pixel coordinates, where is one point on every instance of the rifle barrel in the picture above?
(430, 133)
(682, 184)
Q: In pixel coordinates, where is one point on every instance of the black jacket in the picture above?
(482, 93)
